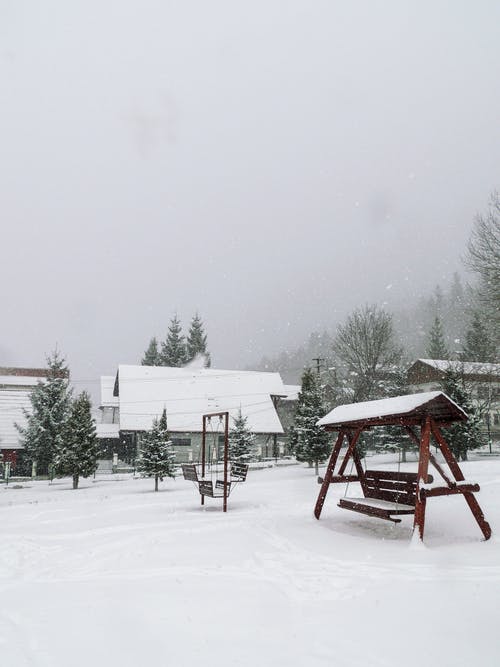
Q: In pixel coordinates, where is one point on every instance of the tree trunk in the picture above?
(75, 481)
(156, 482)
(316, 470)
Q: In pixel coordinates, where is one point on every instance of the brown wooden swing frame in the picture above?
(232, 473)
(402, 493)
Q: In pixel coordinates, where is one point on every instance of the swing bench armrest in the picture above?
(339, 479)
(456, 488)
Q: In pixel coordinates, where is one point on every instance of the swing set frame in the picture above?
(232, 473)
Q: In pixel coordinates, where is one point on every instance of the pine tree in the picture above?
(436, 347)
(173, 349)
(152, 355)
(78, 454)
(157, 455)
(43, 435)
(309, 442)
(241, 440)
(196, 342)
(462, 436)
(478, 344)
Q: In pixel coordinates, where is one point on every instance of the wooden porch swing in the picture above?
(387, 495)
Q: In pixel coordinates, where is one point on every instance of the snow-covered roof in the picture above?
(434, 403)
(188, 393)
(467, 367)
(292, 392)
(107, 430)
(107, 387)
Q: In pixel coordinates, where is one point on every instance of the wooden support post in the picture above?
(474, 506)
(423, 467)
(353, 439)
(359, 470)
(328, 475)
(226, 459)
(203, 444)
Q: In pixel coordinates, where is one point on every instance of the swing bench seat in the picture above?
(387, 495)
(207, 488)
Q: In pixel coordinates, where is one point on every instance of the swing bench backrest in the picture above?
(189, 472)
(395, 487)
(239, 471)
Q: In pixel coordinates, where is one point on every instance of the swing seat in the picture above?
(387, 494)
(189, 472)
(207, 488)
(238, 472)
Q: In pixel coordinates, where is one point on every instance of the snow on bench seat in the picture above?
(381, 504)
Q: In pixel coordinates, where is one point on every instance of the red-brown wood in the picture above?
(423, 466)
(329, 474)
(457, 472)
(353, 439)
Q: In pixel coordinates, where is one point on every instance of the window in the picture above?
(181, 441)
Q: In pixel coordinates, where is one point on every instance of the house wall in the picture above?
(485, 393)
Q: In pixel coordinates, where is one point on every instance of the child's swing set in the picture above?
(232, 472)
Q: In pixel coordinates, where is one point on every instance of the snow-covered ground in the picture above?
(115, 574)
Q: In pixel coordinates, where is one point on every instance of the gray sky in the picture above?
(270, 164)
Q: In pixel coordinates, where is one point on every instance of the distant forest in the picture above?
(454, 304)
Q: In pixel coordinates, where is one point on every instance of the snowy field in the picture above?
(114, 574)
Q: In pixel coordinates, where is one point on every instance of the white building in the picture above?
(138, 394)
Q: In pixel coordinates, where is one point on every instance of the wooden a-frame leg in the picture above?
(423, 466)
(475, 508)
(328, 475)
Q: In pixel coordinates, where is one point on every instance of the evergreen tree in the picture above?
(462, 436)
(196, 342)
(43, 435)
(152, 355)
(157, 454)
(241, 440)
(173, 349)
(478, 344)
(79, 452)
(436, 347)
(310, 442)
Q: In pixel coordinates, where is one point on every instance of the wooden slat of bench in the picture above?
(392, 474)
(370, 510)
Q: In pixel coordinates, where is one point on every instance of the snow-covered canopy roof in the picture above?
(188, 393)
(436, 404)
(466, 367)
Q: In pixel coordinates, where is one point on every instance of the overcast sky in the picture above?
(270, 164)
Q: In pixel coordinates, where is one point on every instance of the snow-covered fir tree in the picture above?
(436, 346)
(462, 436)
(173, 348)
(46, 421)
(310, 442)
(152, 354)
(196, 342)
(157, 455)
(78, 454)
(241, 440)
(478, 343)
